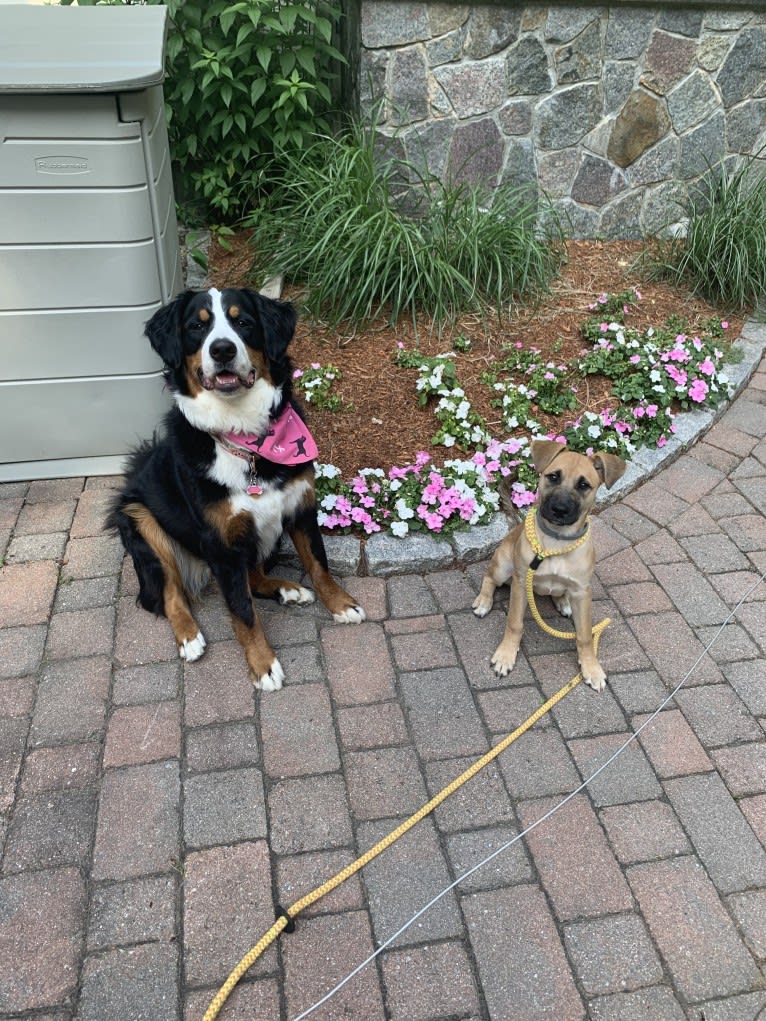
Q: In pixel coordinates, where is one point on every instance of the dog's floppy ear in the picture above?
(278, 321)
(609, 467)
(543, 452)
(164, 330)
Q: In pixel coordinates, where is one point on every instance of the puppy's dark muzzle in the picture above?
(561, 509)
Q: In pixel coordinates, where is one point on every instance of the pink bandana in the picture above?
(287, 440)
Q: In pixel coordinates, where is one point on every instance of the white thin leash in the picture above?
(631, 738)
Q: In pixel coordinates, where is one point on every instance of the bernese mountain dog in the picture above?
(232, 471)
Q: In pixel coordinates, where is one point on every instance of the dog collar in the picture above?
(540, 553)
(287, 441)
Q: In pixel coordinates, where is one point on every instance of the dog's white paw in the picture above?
(503, 662)
(595, 678)
(300, 596)
(273, 680)
(481, 607)
(193, 648)
(352, 615)
(563, 605)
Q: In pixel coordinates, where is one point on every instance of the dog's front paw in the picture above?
(503, 660)
(192, 649)
(297, 594)
(351, 615)
(594, 676)
(563, 605)
(272, 680)
(481, 606)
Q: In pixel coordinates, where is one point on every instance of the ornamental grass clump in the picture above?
(723, 255)
(365, 233)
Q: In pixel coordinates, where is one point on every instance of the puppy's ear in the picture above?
(609, 467)
(164, 330)
(278, 319)
(543, 452)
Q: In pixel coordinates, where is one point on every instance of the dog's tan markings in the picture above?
(175, 603)
(234, 312)
(265, 669)
(340, 604)
(285, 591)
(193, 365)
(204, 315)
(261, 364)
(230, 526)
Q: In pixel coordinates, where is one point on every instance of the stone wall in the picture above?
(614, 111)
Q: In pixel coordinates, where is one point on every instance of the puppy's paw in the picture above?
(481, 606)
(272, 680)
(503, 660)
(192, 649)
(351, 615)
(595, 677)
(563, 605)
(298, 595)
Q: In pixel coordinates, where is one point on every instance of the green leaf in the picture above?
(263, 55)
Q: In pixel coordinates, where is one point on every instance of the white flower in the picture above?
(463, 408)
(655, 375)
(448, 441)
(399, 528)
(403, 510)
(329, 501)
(327, 471)
(593, 431)
(395, 484)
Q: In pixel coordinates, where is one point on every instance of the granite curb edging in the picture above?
(383, 555)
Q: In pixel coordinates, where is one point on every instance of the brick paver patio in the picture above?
(154, 812)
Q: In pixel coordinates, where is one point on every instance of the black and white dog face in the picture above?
(225, 355)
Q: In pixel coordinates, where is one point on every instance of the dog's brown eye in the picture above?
(554, 477)
(583, 485)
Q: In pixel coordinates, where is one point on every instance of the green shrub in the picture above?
(723, 256)
(244, 80)
(363, 232)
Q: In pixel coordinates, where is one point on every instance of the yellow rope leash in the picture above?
(287, 916)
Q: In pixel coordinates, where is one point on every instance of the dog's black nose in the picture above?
(223, 351)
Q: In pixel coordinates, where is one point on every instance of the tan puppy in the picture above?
(566, 494)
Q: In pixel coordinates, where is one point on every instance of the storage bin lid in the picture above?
(81, 49)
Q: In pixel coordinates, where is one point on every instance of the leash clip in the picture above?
(282, 913)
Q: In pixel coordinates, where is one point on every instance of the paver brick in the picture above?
(510, 867)
(409, 596)
(693, 931)
(141, 638)
(86, 593)
(691, 593)
(585, 712)
(320, 953)
(42, 490)
(717, 716)
(384, 782)
(749, 681)
(17, 696)
(538, 764)
(743, 768)
(308, 814)
(372, 726)
(749, 910)
(143, 733)
(297, 732)
(137, 832)
(480, 801)
(45, 517)
(629, 777)
(247, 1001)
(506, 709)
(476, 642)
(612, 955)
(92, 509)
(217, 688)
(405, 878)
(80, 633)
(222, 746)
(21, 650)
(154, 682)
(139, 911)
(442, 714)
(694, 521)
(657, 1003)
(26, 592)
(423, 651)
(42, 915)
(576, 865)
(93, 556)
(452, 589)
(13, 737)
(522, 965)
(224, 807)
(227, 908)
(62, 768)
(671, 745)
(426, 982)
(673, 649)
(300, 874)
(71, 701)
(129, 983)
(652, 500)
(644, 831)
(51, 830)
(715, 553)
(724, 842)
(359, 668)
(733, 643)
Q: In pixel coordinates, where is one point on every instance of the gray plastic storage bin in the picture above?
(88, 235)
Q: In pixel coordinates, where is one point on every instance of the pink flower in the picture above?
(677, 375)
(400, 344)
(651, 410)
(662, 441)
(549, 375)
(638, 295)
(707, 367)
(724, 325)
(315, 365)
(604, 327)
(634, 359)
(698, 391)
(298, 373)
(639, 412)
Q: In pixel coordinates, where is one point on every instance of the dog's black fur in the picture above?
(184, 504)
